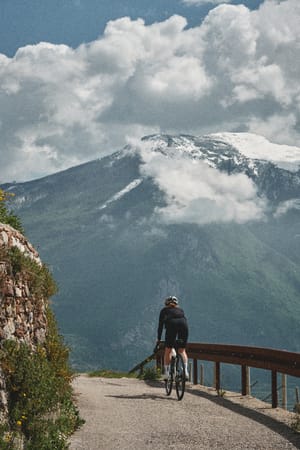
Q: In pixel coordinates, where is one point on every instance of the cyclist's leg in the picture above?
(182, 338)
(170, 339)
(167, 355)
(184, 355)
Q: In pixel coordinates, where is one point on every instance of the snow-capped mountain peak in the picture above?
(242, 149)
(274, 168)
(258, 147)
(221, 146)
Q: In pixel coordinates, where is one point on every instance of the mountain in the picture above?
(211, 219)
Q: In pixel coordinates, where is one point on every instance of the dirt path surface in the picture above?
(129, 414)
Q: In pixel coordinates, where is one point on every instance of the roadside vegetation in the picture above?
(7, 216)
(41, 409)
(150, 373)
(296, 422)
(107, 373)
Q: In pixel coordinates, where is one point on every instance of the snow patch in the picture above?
(254, 146)
(121, 193)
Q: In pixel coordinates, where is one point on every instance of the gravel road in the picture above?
(129, 414)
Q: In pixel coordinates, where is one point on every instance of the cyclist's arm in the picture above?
(160, 325)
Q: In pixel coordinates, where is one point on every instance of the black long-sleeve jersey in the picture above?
(166, 315)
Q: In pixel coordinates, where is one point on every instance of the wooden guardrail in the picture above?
(276, 361)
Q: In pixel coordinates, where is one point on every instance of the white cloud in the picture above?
(197, 193)
(281, 128)
(286, 206)
(239, 69)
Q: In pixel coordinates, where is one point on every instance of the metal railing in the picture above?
(276, 361)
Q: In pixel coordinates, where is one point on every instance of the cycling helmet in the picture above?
(171, 300)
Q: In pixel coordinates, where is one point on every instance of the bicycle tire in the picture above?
(169, 381)
(180, 377)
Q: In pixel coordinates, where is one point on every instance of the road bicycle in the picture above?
(176, 374)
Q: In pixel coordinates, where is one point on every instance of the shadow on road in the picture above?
(278, 427)
(142, 397)
(155, 384)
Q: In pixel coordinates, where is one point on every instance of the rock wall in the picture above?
(3, 398)
(22, 316)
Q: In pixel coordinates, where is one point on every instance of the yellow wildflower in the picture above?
(8, 437)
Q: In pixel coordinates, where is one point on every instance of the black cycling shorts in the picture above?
(176, 329)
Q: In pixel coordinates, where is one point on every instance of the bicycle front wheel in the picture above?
(180, 377)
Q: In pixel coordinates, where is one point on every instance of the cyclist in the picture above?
(173, 319)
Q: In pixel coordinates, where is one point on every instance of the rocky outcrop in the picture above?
(10, 237)
(22, 315)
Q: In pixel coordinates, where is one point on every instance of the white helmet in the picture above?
(171, 300)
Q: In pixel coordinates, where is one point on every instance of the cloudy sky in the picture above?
(197, 193)
(80, 78)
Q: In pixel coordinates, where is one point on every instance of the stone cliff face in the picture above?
(22, 315)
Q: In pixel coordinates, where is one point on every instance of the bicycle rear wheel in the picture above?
(169, 381)
(180, 377)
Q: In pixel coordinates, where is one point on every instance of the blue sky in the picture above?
(81, 78)
(72, 22)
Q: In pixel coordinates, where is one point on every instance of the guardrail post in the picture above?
(195, 371)
(245, 380)
(217, 376)
(190, 371)
(202, 374)
(274, 389)
(284, 392)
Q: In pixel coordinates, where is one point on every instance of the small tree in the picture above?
(7, 216)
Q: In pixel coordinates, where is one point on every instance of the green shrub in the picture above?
(40, 281)
(107, 373)
(7, 216)
(295, 425)
(7, 437)
(150, 373)
(40, 396)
